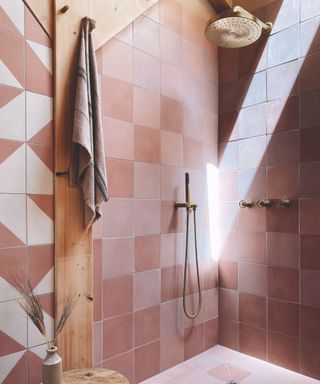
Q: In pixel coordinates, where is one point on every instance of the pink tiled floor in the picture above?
(219, 365)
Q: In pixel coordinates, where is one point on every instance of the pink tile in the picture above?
(228, 304)
(252, 152)
(193, 90)
(283, 249)
(117, 296)
(34, 31)
(171, 47)
(118, 60)
(183, 373)
(172, 318)
(146, 217)
(97, 300)
(146, 106)
(283, 283)
(146, 289)
(172, 219)
(146, 325)
(229, 334)
(308, 78)
(118, 218)
(192, 153)
(120, 178)
(117, 257)
(193, 122)
(252, 184)
(171, 149)
(253, 278)
(229, 156)
(122, 363)
(308, 144)
(282, 80)
(146, 35)
(283, 114)
(171, 81)
(309, 102)
(117, 335)
(146, 71)
(283, 220)
(309, 216)
(228, 274)
(283, 317)
(146, 181)
(228, 245)
(192, 58)
(146, 144)
(252, 219)
(172, 249)
(310, 318)
(253, 310)
(310, 246)
(252, 121)
(252, 247)
(210, 63)
(38, 76)
(126, 35)
(171, 15)
(227, 371)
(283, 351)
(192, 26)
(309, 359)
(171, 283)
(117, 97)
(171, 115)
(97, 258)
(172, 183)
(171, 351)
(310, 288)
(283, 181)
(147, 361)
(211, 96)
(146, 252)
(211, 333)
(118, 138)
(309, 180)
(253, 341)
(283, 148)
(193, 341)
(228, 64)
(97, 335)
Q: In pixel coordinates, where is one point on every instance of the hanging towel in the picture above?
(88, 170)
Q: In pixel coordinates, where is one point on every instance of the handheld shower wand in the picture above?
(190, 207)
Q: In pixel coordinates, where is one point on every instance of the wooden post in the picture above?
(73, 247)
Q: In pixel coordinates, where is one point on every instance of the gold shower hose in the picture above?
(192, 208)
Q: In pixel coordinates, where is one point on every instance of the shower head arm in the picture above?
(266, 27)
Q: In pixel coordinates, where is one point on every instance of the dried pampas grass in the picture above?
(30, 303)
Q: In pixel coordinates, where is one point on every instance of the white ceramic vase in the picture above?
(52, 367)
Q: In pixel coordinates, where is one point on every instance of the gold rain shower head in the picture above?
(235, 28)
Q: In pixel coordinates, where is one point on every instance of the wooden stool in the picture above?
(93, 376)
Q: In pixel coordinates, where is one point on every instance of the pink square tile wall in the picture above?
(269, 148)
(26, 187)
(158, 124)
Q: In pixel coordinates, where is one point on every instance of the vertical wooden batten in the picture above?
(73, 247)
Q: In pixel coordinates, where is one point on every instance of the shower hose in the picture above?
(194, 315)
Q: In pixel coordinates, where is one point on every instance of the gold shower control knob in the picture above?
(245, 203)
(264, 203)
(283, 203)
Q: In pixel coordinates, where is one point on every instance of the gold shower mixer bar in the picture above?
(266, 203)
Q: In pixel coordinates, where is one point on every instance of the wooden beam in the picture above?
(42, 11)
(221, 5)
(73, 247)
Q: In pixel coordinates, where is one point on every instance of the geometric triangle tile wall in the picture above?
(26, 187)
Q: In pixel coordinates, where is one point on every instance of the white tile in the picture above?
(7, 78)
(13, 214)
(13, 321)
(7, 363)
(40, 226)
(15, 11)
(39, 176)
(257, 379)
(12, 172)
(39, 112)
(34, 336)
(7, 291)
(205, 379)
(44, 54)
(204, 361)
(12, 119)
(46, 285)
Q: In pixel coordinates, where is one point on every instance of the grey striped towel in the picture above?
(88, 170)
